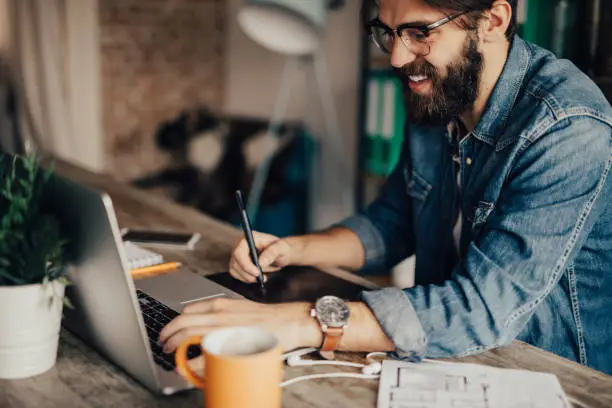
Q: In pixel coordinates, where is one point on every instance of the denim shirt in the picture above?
(535, 259)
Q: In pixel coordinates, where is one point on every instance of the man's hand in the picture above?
(274, 254)
(290, 322)
(334, 248)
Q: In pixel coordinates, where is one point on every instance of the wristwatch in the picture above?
(332, 314)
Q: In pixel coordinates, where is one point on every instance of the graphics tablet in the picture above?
(293, 283)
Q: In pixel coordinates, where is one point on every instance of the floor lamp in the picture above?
(295, 29)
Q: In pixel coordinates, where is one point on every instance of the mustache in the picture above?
(417, 69)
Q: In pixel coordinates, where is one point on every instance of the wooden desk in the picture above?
(82, 378)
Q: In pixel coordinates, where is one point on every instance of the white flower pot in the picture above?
(29, 328)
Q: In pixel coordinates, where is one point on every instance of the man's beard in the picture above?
(450, 96)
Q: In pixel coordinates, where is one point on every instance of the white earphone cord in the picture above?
(329, 375)
(368, 371)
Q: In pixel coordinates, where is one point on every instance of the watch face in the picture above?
(332, 311)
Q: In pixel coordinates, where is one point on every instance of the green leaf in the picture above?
(11, 278)
(31, 242)
(68, 303)
(64, 281)
(50, 170)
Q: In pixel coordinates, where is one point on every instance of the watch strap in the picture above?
(331, 338)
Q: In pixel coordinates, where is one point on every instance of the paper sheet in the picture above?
(442, 385)
(139, 257)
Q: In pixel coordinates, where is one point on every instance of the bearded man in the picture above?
(502, 192)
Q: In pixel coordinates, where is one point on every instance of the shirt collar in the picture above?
(504, 95)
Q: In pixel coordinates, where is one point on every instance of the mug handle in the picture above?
(180, 359)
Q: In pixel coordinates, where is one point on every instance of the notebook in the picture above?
(139, 257)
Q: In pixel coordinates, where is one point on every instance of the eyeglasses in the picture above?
(415, 38)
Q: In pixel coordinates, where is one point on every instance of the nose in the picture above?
(400, 54)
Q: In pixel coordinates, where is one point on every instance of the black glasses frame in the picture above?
(397, 32)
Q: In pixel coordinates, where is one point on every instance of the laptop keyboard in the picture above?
(156, 315)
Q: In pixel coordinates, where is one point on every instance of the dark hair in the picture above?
(475, 8)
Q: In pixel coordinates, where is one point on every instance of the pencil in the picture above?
(159, 268)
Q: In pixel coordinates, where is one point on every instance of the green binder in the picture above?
(385, 119)
(537, 23)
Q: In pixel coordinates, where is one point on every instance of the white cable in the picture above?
(368, 371)
(295, 361)
(577, 404)
(329, 375)
(427, 360)
(371, 356)
(299, 352)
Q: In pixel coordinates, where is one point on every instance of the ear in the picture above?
(496, 21)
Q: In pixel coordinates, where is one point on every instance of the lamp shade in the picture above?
(291, 27)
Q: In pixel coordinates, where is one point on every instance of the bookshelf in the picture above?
(579, 30)
(381, 122)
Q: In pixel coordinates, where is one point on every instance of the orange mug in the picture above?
(242, 368)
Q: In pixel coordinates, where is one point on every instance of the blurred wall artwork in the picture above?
(214, 155)
(159, 59)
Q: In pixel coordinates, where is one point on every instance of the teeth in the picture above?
(417, 78)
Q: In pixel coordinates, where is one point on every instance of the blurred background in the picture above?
(175, 97)
(192, 99)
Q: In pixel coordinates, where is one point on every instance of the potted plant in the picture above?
(32, 273)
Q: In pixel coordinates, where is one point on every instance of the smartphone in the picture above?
(161, 238)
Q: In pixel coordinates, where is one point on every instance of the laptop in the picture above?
(118, 316)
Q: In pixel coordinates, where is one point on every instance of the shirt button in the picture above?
(468, 161)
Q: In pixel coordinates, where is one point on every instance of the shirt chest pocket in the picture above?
(480, 215)
(417, 188)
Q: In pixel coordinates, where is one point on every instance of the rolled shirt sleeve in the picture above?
(398, 319)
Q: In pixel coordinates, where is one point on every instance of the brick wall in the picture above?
(159, 57)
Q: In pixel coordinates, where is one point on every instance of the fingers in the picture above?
(173, 342)
(241, 266)
(202, 318)
(198, 324)
(196, 365)
(275, 256)
(204, 313)
(180, 323)
(262, 240)
(238, 272)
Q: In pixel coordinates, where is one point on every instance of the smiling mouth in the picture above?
(417, 78)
